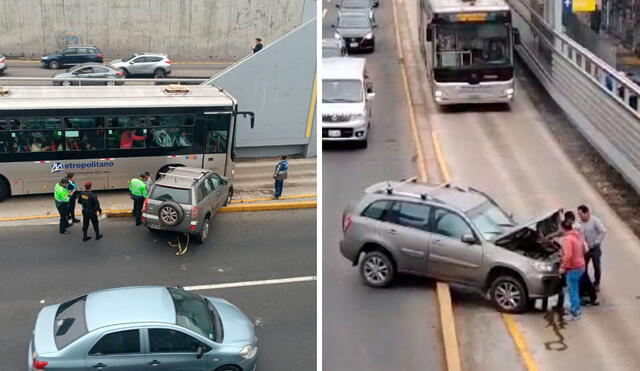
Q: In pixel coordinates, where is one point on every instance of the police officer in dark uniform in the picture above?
(90, 210)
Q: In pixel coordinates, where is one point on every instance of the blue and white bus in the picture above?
(110, 134)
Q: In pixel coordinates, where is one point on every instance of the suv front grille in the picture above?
(336, 118)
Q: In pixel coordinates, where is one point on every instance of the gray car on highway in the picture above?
(3, 63)
(185, 200)
(143, 328)
(144, 64)
(89, 71)
(453, 234)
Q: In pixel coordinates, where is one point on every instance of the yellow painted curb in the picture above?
(270, 206)
(521, 344)
(311, 195)
(447, 323)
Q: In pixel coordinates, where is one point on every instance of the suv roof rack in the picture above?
(200, 173)
(423, 196)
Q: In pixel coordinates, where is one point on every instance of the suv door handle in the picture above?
(99, 366)
(154, 363)
(392, 231)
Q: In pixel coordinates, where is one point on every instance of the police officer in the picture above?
(73, 196)
(138, 190)
(90, 210)
(61, 197)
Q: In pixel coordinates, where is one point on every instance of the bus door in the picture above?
(216, 141)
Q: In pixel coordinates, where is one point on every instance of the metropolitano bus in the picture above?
(109, 135)
(468, 49)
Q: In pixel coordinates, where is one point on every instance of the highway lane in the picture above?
(511, 154)
(364, 328)
(40, 264)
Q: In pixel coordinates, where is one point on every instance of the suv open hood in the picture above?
(546, 224)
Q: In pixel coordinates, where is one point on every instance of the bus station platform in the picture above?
(253, 188)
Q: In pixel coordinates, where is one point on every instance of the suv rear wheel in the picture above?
(159, 73)
(376, 269)
(170, 214)
(204, 232)
(509, 294)
(54, 64)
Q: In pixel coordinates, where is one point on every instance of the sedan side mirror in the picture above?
(200, 352)
(470, 239)
(516, 36)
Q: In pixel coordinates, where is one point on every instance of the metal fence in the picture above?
(601, 103)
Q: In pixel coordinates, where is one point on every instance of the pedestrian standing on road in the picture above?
(138, 190)
(588, 294)
(594, 233)
(90, 210)
(61, 197)
(258, 46)
(73, 197)
(572, 265)
(280, 174)
(148, 182)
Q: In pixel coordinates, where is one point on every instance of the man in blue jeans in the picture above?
(572, 265)
(594, 233)
(280, 175)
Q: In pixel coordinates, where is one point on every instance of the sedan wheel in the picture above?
(66, 83)
(509, 295)
(111, 82)
(376, 269)
(54, 65)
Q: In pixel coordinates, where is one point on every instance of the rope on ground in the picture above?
(178, 244)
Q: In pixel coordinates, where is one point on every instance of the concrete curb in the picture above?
(236, 208)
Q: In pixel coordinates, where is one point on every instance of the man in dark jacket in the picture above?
(258, 46)
(90, 210)
(73, 197)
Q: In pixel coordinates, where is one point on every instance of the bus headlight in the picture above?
(368, 36)
(438, 94)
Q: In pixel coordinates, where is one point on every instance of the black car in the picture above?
(356, 29)
(72, 55)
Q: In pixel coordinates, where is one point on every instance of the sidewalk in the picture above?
(253, 184)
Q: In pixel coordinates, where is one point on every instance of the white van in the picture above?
(346, 98)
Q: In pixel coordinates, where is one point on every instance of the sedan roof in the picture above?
(129, 305)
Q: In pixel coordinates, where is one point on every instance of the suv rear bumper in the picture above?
(153, 222)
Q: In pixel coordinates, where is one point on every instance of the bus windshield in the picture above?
(342, 91)
(472, 45)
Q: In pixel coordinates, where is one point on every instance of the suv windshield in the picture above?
(70, 323)
(193, 313)
(179, 195)
(342, 91)
(127, 59)
(490, 220)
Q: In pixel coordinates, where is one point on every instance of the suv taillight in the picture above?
(346, 222)
(1, 60)
(194, 212)
(100, 55)
(39, 365)
(168, 61)
(145, 206)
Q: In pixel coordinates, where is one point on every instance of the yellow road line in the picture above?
(422, 163)
(521, 344)
(310, 195)
(443, 294)
(312, 108)
(442, 164)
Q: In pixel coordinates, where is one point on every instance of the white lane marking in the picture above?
(251, 283)
(324, 12)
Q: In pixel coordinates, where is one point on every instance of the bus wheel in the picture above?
(4, 188)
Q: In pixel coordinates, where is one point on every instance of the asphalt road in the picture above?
(364, 328)
(40, 264)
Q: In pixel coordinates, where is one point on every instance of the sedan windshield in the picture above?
(490, 220)
(354, 21)
(192, 313)
(342, 91)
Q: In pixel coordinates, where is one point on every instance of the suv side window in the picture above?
(140, 60)
(377, 209)
(208, 187)
(117, 343)
(69, 51)
(449, 224)
(216, 181)
(202, 192)
(154, 59)
(413, 215)
(171, 341)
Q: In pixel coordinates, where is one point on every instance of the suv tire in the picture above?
(170, 214)
(204, 232)
(376, 269)
(509, 295)
(227, 202)
(159, 73)
(54, 64)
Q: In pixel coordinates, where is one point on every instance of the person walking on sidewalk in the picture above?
(90, 210)
(594, 233)
(73, 197)
(61, 197)
(138, 190)
(572, 265)
(280, 175)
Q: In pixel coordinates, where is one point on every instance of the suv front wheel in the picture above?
(509, 294)
(376, 269)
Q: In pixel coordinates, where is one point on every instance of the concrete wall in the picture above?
(184, 29)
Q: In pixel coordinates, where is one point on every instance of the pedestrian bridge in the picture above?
(601, 102)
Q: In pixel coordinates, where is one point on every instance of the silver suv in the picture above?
(185, 200)
(146, 64)
(452, 234)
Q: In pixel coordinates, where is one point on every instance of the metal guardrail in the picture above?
(601, 102)
(125, 81)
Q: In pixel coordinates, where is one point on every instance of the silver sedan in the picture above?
(90, 71)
